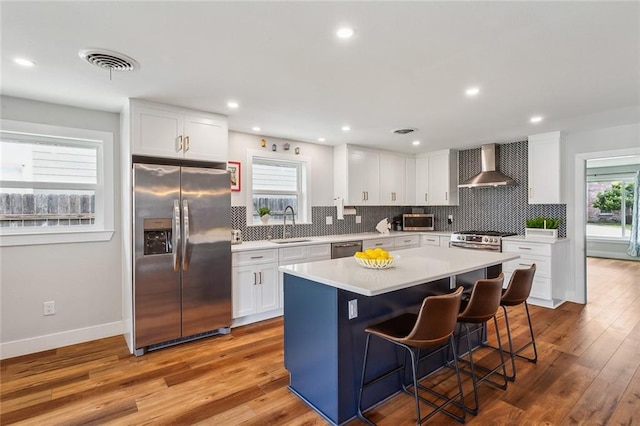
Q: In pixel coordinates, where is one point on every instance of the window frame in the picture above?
(103, 227)
(304, 199)
(624, 178)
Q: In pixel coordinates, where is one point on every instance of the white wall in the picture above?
(579, 147)
(321, 164)
(84, 279)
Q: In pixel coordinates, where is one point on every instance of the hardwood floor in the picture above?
(588, 373)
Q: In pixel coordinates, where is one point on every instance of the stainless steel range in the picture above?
(479, 240)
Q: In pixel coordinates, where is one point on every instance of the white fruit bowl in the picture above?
(375, 263)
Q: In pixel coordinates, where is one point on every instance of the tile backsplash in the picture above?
(497, 209)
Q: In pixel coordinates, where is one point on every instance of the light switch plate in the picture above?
(353, 308)
(358, 219)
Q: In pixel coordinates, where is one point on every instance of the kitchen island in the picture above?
(328, 304)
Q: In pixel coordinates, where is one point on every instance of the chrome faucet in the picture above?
(284, 223)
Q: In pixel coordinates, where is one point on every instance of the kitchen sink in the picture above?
(290, 240)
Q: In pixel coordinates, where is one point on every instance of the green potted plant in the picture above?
(542, 227)
(264, 214)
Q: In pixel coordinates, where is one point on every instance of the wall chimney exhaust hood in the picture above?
(489, 176)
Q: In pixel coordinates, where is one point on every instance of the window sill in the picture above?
(618, 240)
(26, 238)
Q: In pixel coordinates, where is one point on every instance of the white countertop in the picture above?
(414, 266)
(327, 239)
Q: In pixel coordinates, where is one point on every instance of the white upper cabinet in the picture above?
(356, 175)
(437, 178)
(392, 179)
(165, 131)
(544, 168)
(371, 177)
(410, 180)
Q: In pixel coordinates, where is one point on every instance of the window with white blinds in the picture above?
(277, 184)
(52, 181)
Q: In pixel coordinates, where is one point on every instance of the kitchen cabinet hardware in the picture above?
(524, 248)
(257, 257)
(179, 143)
(186, 143)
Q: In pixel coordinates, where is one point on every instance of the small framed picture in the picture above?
(234, 170)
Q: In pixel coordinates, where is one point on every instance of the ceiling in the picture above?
(576, 64)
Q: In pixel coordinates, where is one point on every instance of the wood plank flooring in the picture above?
(588, 373)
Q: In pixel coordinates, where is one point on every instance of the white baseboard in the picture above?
(611, 255)
(58, 340)
(250, 319)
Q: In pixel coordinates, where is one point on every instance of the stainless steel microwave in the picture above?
(417, 222)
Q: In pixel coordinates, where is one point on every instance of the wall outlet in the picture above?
(49, 308)
(329, 220)
(450, 219)
(353, 308)
(358, 219)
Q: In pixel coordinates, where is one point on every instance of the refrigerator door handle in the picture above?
(176, 235)
(185, 221)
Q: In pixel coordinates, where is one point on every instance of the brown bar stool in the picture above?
(517, 293)
(432, 327)
(480, 308)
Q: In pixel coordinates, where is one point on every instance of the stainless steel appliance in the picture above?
(417, 222)
(345, 249)
(182, 252)
(478, 240)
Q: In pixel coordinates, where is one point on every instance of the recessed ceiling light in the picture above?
(536, 119)
(472, 91)
(320, 139)
(416, 143)
(24, 62)
(345, 32)
(232, 104)
(346, 128)
(256, 129)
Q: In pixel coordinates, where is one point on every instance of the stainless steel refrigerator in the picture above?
(182, 252)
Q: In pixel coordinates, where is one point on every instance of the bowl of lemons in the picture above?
(377, 258)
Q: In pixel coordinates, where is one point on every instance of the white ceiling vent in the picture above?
(405, 131)
(108, 60)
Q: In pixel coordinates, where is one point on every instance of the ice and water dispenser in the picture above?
(157, 236)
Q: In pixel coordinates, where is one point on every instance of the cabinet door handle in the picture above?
(255, 278)
(379, 244)
(407, 241)
(260, 275)
(425, 196)
(363, 196)
(524, 264)
(257, 257)
(431, 240)
(186, 143)
(179, 143)
(524, 248)
(367, 193)
(446, 196)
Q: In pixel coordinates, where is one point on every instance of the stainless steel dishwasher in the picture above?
(345, 249)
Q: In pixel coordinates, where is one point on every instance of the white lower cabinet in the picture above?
(430, 240)
(552, 270)
(255, 281)
(410, 241)
(385, 243)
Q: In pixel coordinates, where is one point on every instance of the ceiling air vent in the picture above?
(404, 131)
(108, 60)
